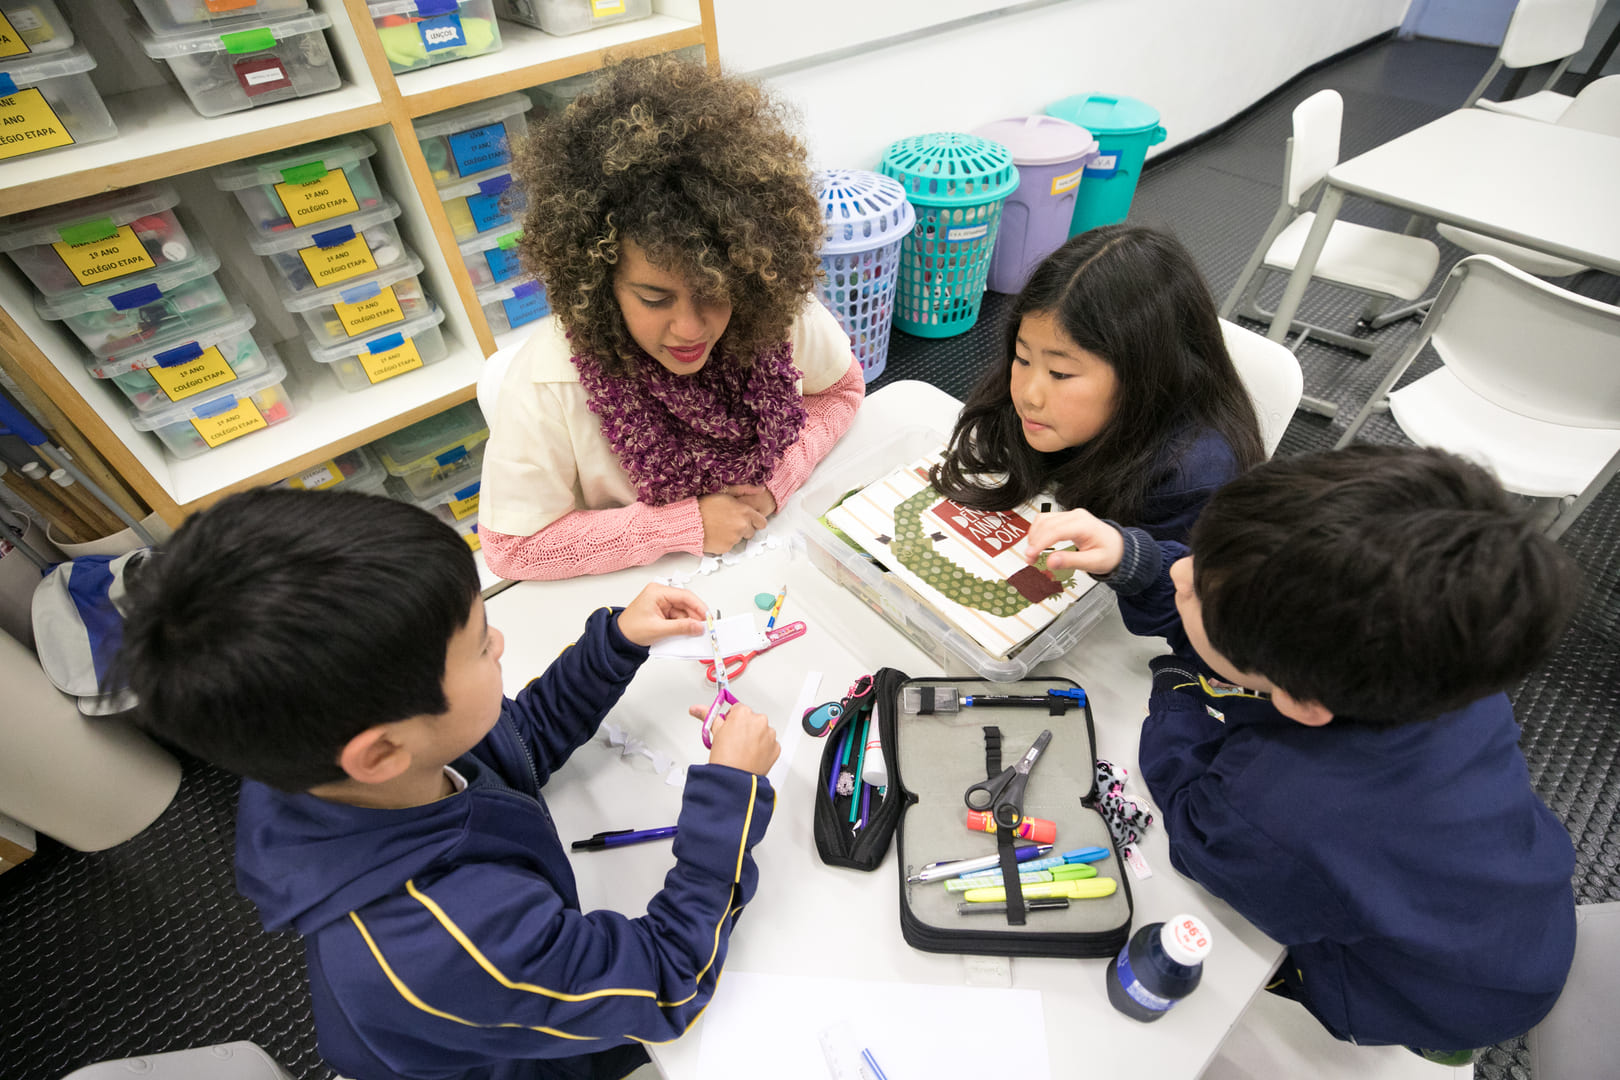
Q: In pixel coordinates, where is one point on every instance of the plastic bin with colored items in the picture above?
(197, 425)
(867, 220)
(293, 189)
(420, 33)
(563, 17)
(1124, 129)
(472, 139)
(355, 471)
(178, 366)
(48, 101)
(129, 312)
(67, 247)
(454, 501)
(957, 183)
(481, 203)
(512, 304)
(1051, 155)
(335, 251)
(362, 307)
(184, 16)
(409, 346)
(228, 67)
(492, 257)
(432, 452)
(32, 28)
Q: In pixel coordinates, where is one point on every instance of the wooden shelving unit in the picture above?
(161, 138)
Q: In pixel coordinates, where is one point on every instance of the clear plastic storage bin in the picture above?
(420, 33)
(292, 189)
(178, 366)
(492, 257)
(128, 313)
(48, 101)
(199, 424)
(433, 452)
(417, 343)
(358, 470)
(332, 252)
(513, 304)
(184, 16)
(481, 203)
(363, 307)
(456, 493)
(259, 62)
(572, 16)
(66, 247)
(473, 138)
(952, 650)
(557, 95)
(32, 28)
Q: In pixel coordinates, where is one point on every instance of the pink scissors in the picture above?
(736, 665)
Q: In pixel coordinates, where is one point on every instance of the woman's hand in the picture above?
(726, 520)
(742, 739)
(1098, 546)
(658, 612)
(755, 495)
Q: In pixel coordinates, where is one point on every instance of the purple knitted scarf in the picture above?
(680, 436)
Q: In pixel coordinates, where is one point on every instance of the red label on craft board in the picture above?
(991, 531)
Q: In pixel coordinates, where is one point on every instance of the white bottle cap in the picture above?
(1186, 939)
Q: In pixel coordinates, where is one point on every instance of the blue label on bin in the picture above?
(182, 354)
(1104, 165)
(360, 292)
(146, 294)
(443, 32)
(486, 212)
(467, 492)
(523, 309)
(450, 457)
(215, 407)
(8, 85)
(503, 263)
(425, 8)
(480, 148)
(385, 343)
(331, 238)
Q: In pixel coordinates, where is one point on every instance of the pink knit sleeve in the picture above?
(596, 541)
(831, 413)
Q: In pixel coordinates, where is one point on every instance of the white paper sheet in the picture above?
(789, 729)
(737, 634)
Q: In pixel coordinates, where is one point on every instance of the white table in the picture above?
(801, 901)
(1538, 185)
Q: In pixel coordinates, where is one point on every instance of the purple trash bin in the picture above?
(1051, 156)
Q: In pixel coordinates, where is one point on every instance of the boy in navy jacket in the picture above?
(333, 650)
(1329, 742)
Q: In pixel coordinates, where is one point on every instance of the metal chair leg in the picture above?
(1395, 315)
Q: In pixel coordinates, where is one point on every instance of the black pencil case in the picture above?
(858, 843)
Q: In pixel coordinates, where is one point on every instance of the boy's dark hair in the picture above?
(1133, 297)
(279, 624)
(1387, 583)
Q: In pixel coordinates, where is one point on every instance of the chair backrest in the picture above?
(1596, 108)
(1315, 146)
(1527, 346)
(1542, 31)
(1579, 1038)
(1271, 375)
(491, 377)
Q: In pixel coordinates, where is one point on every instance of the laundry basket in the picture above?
(867, 218)
(957, 183)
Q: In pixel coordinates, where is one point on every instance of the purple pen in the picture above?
(621, 837)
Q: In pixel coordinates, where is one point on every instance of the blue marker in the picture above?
(1078, 855)
(621, 837)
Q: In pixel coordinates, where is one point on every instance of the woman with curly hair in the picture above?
(692, 379)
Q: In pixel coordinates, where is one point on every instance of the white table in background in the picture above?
(802, 905)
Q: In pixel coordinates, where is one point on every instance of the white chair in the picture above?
(1271, 375)
(491, 377)
(1529, 386)
(1579, 1038)
(1595, 108)
(225, 1061)
(1540, 32)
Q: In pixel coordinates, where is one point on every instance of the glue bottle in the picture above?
(1159, 966)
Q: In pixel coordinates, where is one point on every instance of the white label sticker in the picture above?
(969, 232)
(316, 478)
(263, 75)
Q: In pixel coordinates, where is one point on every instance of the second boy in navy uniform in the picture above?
(1330, 745)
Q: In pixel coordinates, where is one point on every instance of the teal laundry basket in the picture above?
(1124, 128)
(957, 184)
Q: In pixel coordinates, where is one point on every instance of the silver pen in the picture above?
(937, 871)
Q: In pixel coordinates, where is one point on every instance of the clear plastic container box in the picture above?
(952, 650)
(456, 493)
(420, 33)
(179, 366)
(357, 365)
(257, 62)
(555, 96)
(572, 16)
(197, 425)
(335, 251)
(32, 28)
(185, 16)
(66, 247)
(50, 102)
(492, 257)
(512, 304)
(472, 139)
(358, 470)
(432, 453)
(127, 313)
(482, 203)
(363, 307)
(292, 189)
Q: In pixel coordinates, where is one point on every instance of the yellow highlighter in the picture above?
(1074, 889)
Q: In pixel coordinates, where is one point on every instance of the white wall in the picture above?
(1198, 62)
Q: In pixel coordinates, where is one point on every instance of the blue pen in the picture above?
(621, 837)
(870, 1061)
(1078, 855)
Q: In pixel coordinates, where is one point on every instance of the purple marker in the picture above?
(621, 837)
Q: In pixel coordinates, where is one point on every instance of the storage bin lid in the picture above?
(489, 182)
(294, 239)
(950, 168)
(863, 210)
(506, 236)
(507, 290)
(465, 117)
(272, 168)
(331, 354)
(32, 70)
(135, 290)
(380, 8)
(1106, 114)
(353, 290)
(358, 469)
(1040, 140)
(84, 220)
(247, 36)
(438, 440)
(150, 354)
(214, 402)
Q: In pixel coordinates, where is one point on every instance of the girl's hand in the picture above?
(659, 612)
(726, 520)
(755, 495)
(1098, 546)
(742, 739)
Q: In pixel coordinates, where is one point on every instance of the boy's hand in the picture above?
(742, 738)
(1098, 546)
(726, 520)
(660, 611)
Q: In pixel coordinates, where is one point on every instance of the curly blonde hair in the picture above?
(698, 170)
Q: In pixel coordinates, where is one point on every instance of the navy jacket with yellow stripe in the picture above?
(447, 940)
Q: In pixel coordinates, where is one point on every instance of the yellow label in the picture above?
(227, 426)
(103, 260)
(367, 315)
(317, 200)
(28, 123)
(327, 266)
(396, 361)
(317, 479)
(472, 540)
(194, 376)
(11, 42)
(601, 9)
(1067, 182)
(464, 508)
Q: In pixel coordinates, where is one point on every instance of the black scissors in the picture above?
(1003, 794)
